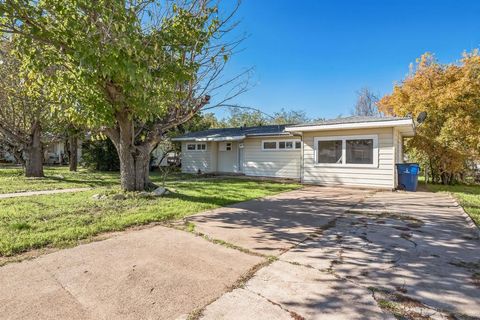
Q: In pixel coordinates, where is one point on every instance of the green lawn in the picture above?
(12, 179)
(63, 219)
(467, 195)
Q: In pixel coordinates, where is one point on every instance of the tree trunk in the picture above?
(34, 154)
(73, 152)
(134, 159)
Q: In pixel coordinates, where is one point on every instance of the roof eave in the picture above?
(269, 134)
(207, 139)
(357, 125)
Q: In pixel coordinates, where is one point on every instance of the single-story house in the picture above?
(53, 153)
(356, 151)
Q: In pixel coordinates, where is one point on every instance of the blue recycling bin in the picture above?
(408, 176)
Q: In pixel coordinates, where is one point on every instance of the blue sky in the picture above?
(313, 55)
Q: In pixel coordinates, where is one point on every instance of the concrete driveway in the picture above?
(335, 253)
(367, 255)
(155, 273)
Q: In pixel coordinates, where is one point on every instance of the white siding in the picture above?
(380, 176)
(192, 161)
(258, 162)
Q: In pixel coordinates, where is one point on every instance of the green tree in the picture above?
(240, 117)
(132, 69)
(100, 155)
(289, 117)
(251, 117)
(26, 119)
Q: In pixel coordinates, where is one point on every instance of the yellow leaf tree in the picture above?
(448, 142)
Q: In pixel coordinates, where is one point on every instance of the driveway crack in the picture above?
(293, 314)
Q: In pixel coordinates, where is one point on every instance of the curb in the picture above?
(471, 224)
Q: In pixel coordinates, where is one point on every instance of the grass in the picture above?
(467, 195)
(12, 179)
(63, 219)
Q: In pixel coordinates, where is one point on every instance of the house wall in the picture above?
(192, 161)
(270, 163)
(381, 176)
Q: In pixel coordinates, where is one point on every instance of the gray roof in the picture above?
(273, 130)
(352, 119)
(223, 133)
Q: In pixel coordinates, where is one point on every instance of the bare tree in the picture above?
(366, 104)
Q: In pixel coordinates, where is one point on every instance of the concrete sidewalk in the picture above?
(156, 273)
(42, 192)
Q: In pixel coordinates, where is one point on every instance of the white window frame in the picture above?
(344, 163)
(277, 144)
(195, 144)
(223, 146)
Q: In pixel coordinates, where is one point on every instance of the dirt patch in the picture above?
(406, 308)
(473, 267)
(410, 221)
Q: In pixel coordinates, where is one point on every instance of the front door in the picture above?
(227, 157)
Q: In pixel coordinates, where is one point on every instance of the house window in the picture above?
(359, 151)
(225, 146)
(329, 151)
(269, 145)
(353, 151)
(281, 145)
(196, 147)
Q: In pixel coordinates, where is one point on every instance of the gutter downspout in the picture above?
(302, 156)
(302, 160)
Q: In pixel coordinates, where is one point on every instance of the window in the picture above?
(360, 151)
(353, 151)
(196, 147)
(269, 145)
(225, 146)
(281, 145)
(329, 151)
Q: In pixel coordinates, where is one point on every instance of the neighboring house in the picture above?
(160, 159)
(6, 157)
(357, 151)
(54, 153)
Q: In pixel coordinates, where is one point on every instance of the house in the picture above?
(56, 153)
(53, 153)
(355, 151)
